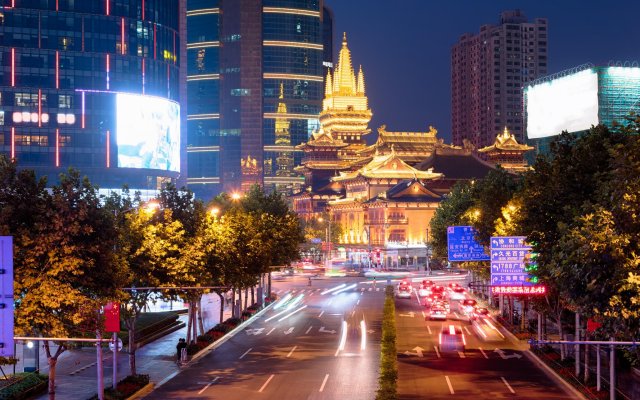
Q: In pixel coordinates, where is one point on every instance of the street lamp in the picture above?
(327, 259)
(427, 245)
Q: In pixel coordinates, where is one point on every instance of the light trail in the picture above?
(332, 289)
(291, 313)
(363, 333)
(345, 289)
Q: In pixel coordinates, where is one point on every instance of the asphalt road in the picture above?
(488, 369)
(299, 353)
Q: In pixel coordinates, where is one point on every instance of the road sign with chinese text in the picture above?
(509, 257)
(462, 245)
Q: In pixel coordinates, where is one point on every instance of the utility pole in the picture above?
(426, 242)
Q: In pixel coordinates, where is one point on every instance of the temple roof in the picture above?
(322, 139)
(388, 166)
(506, 142)
(457, 166)
(419, 143)
(412, 190)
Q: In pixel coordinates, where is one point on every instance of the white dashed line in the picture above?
(507, 384)
(321, 312)
(449, 384)
(324, 382)
(272, 329)
(308, 330)
(265, 384)
(461, 355)
(291, 352)
(466, 330)
(245, 353)
(207, 385)
(437, 352)
(483, 353)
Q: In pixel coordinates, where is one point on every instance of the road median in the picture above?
(388, 380)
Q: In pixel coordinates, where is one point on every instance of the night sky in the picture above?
(404, 47)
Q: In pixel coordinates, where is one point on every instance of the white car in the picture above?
(403, 292)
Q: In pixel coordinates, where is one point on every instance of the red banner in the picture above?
(112, 317)
(538, 289)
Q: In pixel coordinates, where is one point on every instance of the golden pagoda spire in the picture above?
(344, 80)
(282, 106)
(360, 86)
(328, 86)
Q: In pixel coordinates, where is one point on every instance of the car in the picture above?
(404, 291)
(451, 339)
(424, 290)
(486, 330)
(480, 312)
(427, 283)
(457, 293)
(437, 289)
(437, 313)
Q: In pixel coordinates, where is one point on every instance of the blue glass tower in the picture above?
(94, 85)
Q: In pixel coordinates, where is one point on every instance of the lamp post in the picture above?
(426, 244)
(327, 231)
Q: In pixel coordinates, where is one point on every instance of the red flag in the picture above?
(592, 325)
(112, 317)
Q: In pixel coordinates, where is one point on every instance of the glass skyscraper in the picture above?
(255, 89)
(94, 85)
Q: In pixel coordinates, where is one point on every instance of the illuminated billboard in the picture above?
(147, 132)
(568, 103)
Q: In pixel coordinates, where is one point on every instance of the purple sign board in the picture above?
(6, 296)
(508, 254)
(462, 245)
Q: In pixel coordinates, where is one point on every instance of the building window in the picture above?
(64, 101)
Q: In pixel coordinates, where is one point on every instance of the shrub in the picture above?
(232, 322)
(26, 385)
(206, 338)
(125, 388)
(193, 348)
(387, 382)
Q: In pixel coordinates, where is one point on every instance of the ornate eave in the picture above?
(506, 142)
(389, 166)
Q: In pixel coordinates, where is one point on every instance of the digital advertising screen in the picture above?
(147, 132)
(569, 103)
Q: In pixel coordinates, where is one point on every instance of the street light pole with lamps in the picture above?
(427, 246)
(327, 259)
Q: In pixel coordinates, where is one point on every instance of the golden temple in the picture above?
(383, 195)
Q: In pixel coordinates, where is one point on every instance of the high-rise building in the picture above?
(255, 89)
(488, 72)
(94, 85)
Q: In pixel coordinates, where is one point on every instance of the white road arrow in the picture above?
(255, 332)
(411, 315)
(418, 352)
(288, 331)
(505, 356)
(326, 331)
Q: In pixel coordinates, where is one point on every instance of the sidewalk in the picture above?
(76, 372)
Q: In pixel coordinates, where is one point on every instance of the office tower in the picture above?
(255, 89)
(488, 72)
(94, 85)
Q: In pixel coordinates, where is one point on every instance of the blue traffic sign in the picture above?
(462, 245)
(508, 261)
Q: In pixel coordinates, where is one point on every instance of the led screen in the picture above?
(568, 104)
(148, 132)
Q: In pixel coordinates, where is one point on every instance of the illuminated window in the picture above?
(64, 101)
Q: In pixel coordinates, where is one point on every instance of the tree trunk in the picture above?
(246, 298)
(52, 361)
(253, 298)
(233, 303)
(194, 322)
(131, 327)
(269, 288)
(561, 333)
(189, 320)
(200, 319)
(221, 306)
(240, 304)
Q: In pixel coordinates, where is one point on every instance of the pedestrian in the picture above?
(182, 344)
(374, 282)
(309, 281)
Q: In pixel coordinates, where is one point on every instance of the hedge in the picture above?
(26, 385)
(125, 388)
(388, 380)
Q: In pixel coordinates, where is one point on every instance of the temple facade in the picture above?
(384, 195)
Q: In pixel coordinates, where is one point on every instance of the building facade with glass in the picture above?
(94, 85)
(255, 89)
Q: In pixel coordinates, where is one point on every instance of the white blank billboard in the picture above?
(148, 132)
(568, 104)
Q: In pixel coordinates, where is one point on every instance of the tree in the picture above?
(65, 269)
(449, 213)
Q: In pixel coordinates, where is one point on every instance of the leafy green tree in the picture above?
(449, 213)
(65, 268)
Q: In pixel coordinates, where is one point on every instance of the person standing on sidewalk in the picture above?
(182, 344)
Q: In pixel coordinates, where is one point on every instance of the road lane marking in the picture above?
(466, 330)
(449, 384)
(329, 302)
(456, 314)
(424, 315)
(324, 382)
(245, 353)
(361, 293)
(437, 352)
(428, 329)
(461, 354)
(507, 384)
(358, 302)
(272, 329)
(321, 312)
(377, 289)
(483, 353)
(265, 384)
(308, 330)
(291, 352)
(208, 384)
(370, 289)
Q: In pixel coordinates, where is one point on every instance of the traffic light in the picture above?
(531, 266)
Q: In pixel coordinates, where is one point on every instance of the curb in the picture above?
(145, 390)
(569, 388)
(214, 345)
(553, 375)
